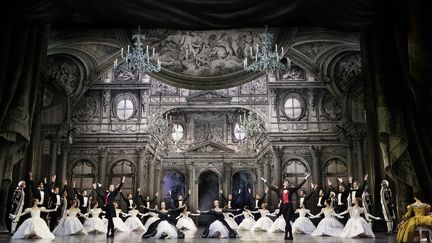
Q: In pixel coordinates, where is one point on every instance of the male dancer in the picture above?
(110, 210)
(355, 190)
(285, 194)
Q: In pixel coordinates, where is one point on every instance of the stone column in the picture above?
(64, 161)
(316, 165)
(260, 183)
(227, 179)
(103, 157)
(151, 178)
(191, 180)
(349, 160)
(360, 156)
(53, 154)
(267, 173)
(141, 168)
(277, 170)
(158, 178)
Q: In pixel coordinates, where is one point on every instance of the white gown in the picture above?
(133, 222)
(218, 230)
(329, 225)
(248, 221)
(95, 224)
(33, 227)
(184, 222)
(153, 218)
(264, 222)
(357, 225)
(166, 228)
(278, 225)
(303, 225)
(70, 225)
(230, 221)
(119, 225)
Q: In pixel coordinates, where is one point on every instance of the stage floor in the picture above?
(245, 236)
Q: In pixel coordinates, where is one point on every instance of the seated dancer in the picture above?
(264, 222)
(34, 227)
(216, 226)
(133, 222)
(70, 224)
(417, 215)
(108, 199)
(279, 224)
(328, 226)
(303, 225)
(94, 223)
(285, 194)
(229, 218)
(248, 221)
(184, 222)
(163, 227)
(357, 226)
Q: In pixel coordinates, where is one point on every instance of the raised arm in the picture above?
(271, 187)
(118, 188)
(301, 183)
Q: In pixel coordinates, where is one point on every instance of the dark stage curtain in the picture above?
(22, 52)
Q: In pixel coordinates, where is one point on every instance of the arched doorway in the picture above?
(242, 182)
(208, 191)
(175, 182)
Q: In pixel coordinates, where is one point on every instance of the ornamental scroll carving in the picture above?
(348, 71)
(66, 72)
(86, 108)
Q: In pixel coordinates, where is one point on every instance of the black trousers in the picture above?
(54, 218)
(109, 216)
(340, 209)
(288, 213)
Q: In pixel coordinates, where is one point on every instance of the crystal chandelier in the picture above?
(138, 61)
(251, 125)
(263, 58)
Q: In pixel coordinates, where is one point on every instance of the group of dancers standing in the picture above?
(68, 211)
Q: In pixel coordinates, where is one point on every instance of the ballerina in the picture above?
(303, 225)
(163, 227)
(34, 227)
(152, 217)
(328, 226)
(70, 224)
(264, 222)
(229, 218)
(279, 224)
(357, 226)
(248, 221)
(94, 224)
(184, 222)
(133, 222)
(216, 226)
(119, 225)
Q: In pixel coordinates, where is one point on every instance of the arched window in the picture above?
(123, 168)
(295, 171)
(83, 174)
(334, 168)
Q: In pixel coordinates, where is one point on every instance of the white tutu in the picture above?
(231, 222)
(33, 227)
(329, 226)
(262, 224)
(247, 224)
(303, 225)
(185, 223)
(119, 225)
(357, 227)
(134, 223)
(168, 229)
(95, 224)
(69, 226)
(278, 225)
(150, 221)
(217, 229)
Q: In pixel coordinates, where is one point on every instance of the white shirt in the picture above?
(340, 199)
(301, 200)
(319, 202)
(256, 203)
(42, 196)
(148, 204)
(85, 200)
(229, 204)
(180, 203)
(58, 202)
(130, 203)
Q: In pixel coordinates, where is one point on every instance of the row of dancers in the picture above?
(224, 222)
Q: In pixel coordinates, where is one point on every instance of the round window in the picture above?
(239, 132)
(177, 132)
(293, 108)
(125, 108)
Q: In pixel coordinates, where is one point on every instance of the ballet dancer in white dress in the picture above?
(278, 225)
(229, 218)
(264, 222)
(34, 227)
(70, 224)
(133, 222)
(329, 225)
(153, 217)
(303, 225)
(184, 222)
(248, 221)
(357, 226)
(119, 225)
(164, 226)
(94, 224)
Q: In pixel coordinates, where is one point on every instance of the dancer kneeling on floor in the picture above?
(133, 222)
(303, 225)
(217, 227)
(264, 222)
(164, 226)
(184, 222)
(94, 223)
(328, 226)
(70, 224)
(248, 221)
